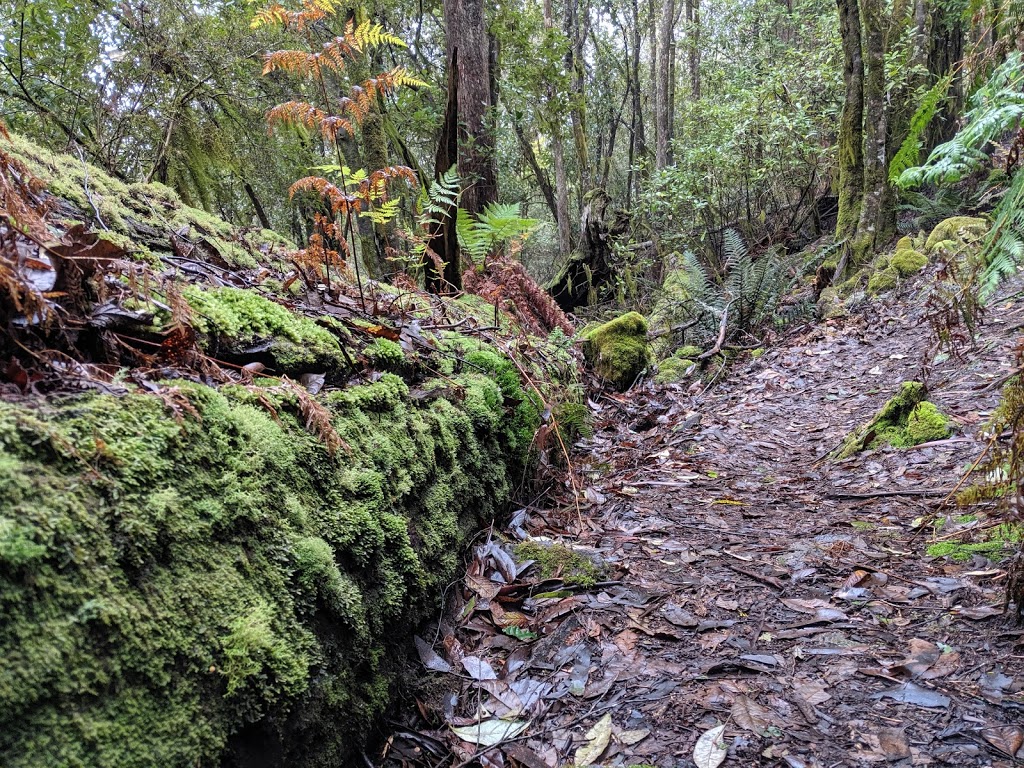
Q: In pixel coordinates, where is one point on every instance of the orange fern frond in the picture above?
(341, 202)
(279, 16)
(305, 114)
(296, 62)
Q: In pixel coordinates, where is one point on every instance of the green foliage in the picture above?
(497, 225)
(559, 561)
(909, 153)
(905, 420)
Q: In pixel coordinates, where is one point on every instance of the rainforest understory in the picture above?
(544, 384)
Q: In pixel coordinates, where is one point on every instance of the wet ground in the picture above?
(749, 581)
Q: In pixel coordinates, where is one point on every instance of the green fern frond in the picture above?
(909, 153)
(372, 35)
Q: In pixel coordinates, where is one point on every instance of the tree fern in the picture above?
(496, 225)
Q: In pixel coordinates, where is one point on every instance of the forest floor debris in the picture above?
(760, 604)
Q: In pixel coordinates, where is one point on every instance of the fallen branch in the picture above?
(721, 334)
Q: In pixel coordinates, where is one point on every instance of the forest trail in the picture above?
(755, 584)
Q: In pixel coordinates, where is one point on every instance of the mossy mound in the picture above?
(619, 349)
(141, 217)
(906, 419)
(830, 304)
(907, 262)
(959, 229)
(689, 352)
(241, 324)
(883, 280)
(558, 560)
(674, 369)
(181, 586)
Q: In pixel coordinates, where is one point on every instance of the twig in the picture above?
(721, 334)
(881, 494)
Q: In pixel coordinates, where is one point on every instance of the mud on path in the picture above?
(750, 582)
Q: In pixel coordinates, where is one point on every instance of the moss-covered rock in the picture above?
(557, 560)
(906, 419)
(688, 352)
(960, 229)
(619, 349)
(674, 369)
(883, 281)
(830, 304)
(926, 423)
(176, 585)
(907, 262)
(671, 307)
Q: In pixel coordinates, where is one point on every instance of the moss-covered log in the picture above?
(906, 419)
(194, 578)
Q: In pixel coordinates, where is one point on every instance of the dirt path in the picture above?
(750, 582)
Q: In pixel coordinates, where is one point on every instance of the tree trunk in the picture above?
(554, 126)
(443, 243)
(851, 132)
(468, 50)
(693, 45)
(662, 87)
(876, 165)
(574, 66)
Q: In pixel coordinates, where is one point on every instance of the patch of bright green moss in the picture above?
(689, 352)
(558, 560)
(1000, 543)
(619, 349)
(960, 229)
(908, 262)
(233, 319)
(673, 370)
(168, 582)
(926, 423)
(906, 419)
(387, 355)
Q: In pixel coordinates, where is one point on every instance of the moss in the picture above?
(673, 370)
(881, 262)
(559, 561)
(1000, 543)
(166, 584)
(830, 304)
(619, 350)
(926, 423)
(908, 262)
(883, 281)
(757, 353)
(671, 307)
(233, 320)
(906, 419)
(387, 355)
(960, 229)
(689, 352)
(905, 244)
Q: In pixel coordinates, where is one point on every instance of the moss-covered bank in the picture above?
(197, 585)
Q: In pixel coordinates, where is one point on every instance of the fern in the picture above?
(909, 153)
(996, 107)
(1003, 248)
(496, 225)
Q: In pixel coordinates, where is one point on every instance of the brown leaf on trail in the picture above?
(751, 716)
(453, 649)
(1008, 739)
(811, 691)
(382, 332)
(711, 749)
(911, 693)
(430, 659)
(524, 756)
(979, 612)
(626, 641)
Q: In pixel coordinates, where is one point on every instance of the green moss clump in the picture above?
(905, 243)
(689, 352)
(559, 561)
(960, 229)
(830, 304)
(169, 585)
(387, 355)
(673, 370)
(883, 281)
(926, 423)
(908, 262)
(906, 419)
(1000, 543)
(619, 350)
(233, 320)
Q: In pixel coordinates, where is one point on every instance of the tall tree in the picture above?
(663, 86)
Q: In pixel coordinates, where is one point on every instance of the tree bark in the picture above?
(876, 165)
(851, 132)
(693, 46)
(554, 126)
(468, 50)
(663, 86)
(443, 243)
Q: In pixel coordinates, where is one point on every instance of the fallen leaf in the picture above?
(598, 737)
(750, 716)
(478, 669)
(430, 659)
(629, 738)
(488, 733)
(911, 693)
(710, 749)
(1008, 739)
